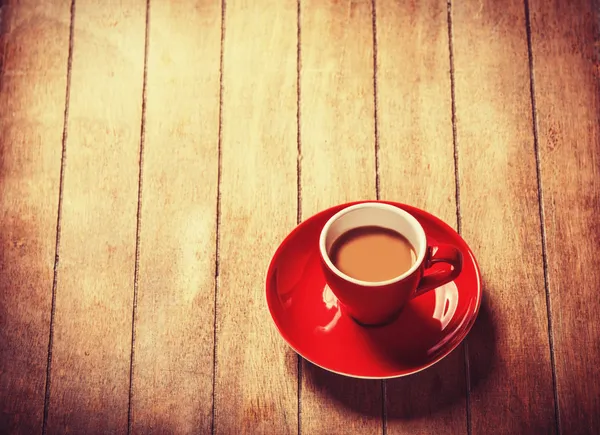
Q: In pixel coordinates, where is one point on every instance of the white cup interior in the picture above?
(373, 214)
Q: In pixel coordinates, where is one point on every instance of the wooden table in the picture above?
(154, 154)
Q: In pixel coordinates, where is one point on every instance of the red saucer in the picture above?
(308, 317)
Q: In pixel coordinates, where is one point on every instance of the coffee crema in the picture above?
(372, 253)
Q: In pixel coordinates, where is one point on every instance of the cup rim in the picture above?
(409, 217)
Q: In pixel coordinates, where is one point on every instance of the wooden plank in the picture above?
(92, 331)
(512, 392)
(564, 39)
(256, 375)
(173, 363)
(34, 45)
(416, 166)
(338, 165)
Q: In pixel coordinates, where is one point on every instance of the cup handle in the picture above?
(440, 254)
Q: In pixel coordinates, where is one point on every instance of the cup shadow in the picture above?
(438, 388)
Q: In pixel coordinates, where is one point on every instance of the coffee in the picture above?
(372, 253)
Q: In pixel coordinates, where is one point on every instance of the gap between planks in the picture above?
(465, 344)
(218, 211)
(538, 173)
(59, 219)
(138, 227)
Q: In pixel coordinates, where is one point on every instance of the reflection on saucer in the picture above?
(329, 298)
(289, 278)
(331, 301)
(446, 301)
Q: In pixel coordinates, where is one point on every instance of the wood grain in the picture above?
(565, 48)
(173, 364)
(513, 392)
(32, 99)
(92, 332)
(256, 376)
(416, 166)
(338, 165)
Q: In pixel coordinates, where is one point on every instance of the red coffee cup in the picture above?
(379, 303)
